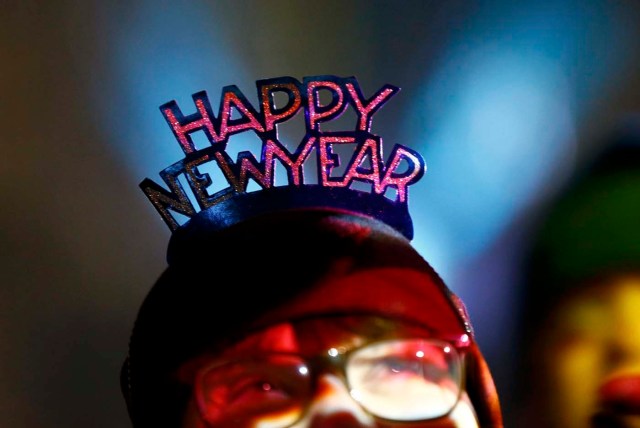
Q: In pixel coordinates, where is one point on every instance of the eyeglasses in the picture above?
(398, 380)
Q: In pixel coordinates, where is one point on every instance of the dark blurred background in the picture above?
(504, 99)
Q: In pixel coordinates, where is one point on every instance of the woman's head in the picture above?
(275, 269)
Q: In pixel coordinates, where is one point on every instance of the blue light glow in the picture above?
(498, 119)
(166, 54)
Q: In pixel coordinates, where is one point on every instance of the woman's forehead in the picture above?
(389, 292)
(317, 334)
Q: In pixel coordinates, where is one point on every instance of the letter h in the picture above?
(182, 126)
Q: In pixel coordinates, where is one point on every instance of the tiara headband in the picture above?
(388, 178)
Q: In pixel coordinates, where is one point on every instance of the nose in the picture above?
(333, 407)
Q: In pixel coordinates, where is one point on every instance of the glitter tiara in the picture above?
(386, 179)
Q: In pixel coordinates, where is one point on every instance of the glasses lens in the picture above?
(406, 380)
(266, 393)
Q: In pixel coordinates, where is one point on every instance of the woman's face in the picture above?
(594, 337)
(293, 374)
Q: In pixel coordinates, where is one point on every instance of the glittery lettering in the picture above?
(271, 114)
(356, 171)
(183, 126)
(366, 163)
(316, 112)
(274, 150)
(401, 181)
(328, 160)
(175, 200)
(366, 109)
(233, 98)
(199, 182)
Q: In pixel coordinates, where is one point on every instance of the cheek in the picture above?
(575, 370)
(578, 365)
(463, 416)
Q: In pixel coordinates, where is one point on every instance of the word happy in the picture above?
(236, 114)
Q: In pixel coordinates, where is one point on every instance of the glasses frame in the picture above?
(335, 360)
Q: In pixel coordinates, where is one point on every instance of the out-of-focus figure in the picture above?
(580, 364)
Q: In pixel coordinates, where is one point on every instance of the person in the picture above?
(580, 361)
(303, 306)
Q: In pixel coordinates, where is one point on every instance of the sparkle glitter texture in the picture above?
(269, 107)
(366, 110)
(345, 93)
(316, 112)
